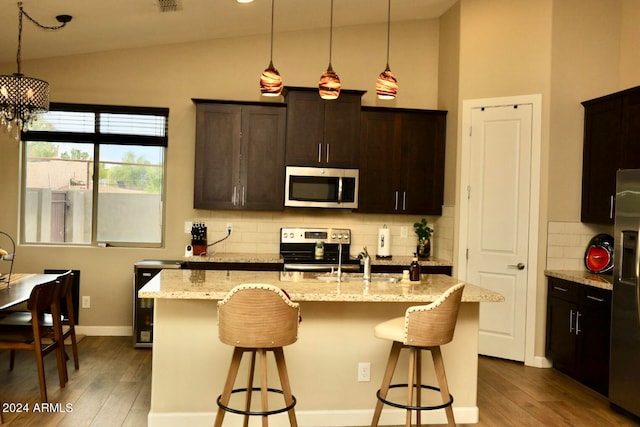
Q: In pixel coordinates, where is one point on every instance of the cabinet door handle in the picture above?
(404, 200)
(578, 322)
(591, 297)
(611, 207)
(319, 153)
(396, 204)
(571, 321)
(558, 288)
(327, 153)
(233, 196)
(244, 197)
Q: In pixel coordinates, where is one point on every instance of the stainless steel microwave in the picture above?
(321, 187)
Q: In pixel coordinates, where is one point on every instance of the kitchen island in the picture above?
(336, 333)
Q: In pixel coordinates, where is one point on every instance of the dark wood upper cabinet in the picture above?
(239, 161)
(611, 135)
(322, 133)
(402, 155)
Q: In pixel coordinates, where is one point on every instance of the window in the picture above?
(94, 174)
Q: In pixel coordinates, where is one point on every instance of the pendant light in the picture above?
(270, 80)
(329, 86)
(23, 98)
(387, 84)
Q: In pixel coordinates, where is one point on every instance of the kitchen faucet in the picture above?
(364, 255)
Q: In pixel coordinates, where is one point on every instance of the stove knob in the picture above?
(333, 236)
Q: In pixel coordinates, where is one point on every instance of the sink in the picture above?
(357, 278)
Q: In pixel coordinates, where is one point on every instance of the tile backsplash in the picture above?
(259, 232)
(567, 242)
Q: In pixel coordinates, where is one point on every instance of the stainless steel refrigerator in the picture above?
(624, 368)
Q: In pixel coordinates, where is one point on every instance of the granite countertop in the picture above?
(604, 281)
(215, 284)
(276, 258)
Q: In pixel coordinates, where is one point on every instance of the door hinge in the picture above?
(468, 192)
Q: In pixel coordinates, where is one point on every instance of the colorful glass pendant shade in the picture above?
(387, 84)
(329, 85)
(270, 80)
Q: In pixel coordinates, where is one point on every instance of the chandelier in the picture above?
(22, 98)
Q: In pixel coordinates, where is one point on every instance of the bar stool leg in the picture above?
(386, 380)
(410, 382)
(228, 385)
(252, 369)
(264, 387)
(442, 381)
(284, 382)
(419, 385)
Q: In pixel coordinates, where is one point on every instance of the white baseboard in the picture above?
(540, 362)
(341, 418)
(105, 331)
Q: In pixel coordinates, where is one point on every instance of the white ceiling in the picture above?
(101, 25)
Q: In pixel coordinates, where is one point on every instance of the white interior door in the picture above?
(498, 223)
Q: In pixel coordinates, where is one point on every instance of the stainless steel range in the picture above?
(298, 249)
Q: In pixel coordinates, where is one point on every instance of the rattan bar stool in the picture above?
(256, 319)
(424, 327)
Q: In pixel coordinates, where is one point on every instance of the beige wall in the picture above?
(585, 61)
(169, 76)
(629, 44)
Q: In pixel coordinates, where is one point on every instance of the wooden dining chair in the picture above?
(35, 336)
(67, 314)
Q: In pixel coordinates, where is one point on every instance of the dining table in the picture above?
(19, 289)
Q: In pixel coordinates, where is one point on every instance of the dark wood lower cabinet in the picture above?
(578, 332)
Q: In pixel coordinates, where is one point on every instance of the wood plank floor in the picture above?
(113, 388)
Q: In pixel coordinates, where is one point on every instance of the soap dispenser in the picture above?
(414, 269)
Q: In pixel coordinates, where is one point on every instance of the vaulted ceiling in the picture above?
(102, 25)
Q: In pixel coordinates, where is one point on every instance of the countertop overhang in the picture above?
(604, 281)
(215, 284)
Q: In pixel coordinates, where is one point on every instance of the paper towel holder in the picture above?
(384, 243)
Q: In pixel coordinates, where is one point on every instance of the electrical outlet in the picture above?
(86, 301)
(229, 228)
(187, 226)
(403, 232)
(364, 372)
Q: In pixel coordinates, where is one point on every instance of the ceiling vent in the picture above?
(170, 5)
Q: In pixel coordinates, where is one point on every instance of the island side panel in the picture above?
(190, 363)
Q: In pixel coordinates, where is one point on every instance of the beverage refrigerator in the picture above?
(144, 271)
(624, 368)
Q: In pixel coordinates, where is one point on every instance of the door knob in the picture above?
(519, 266)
